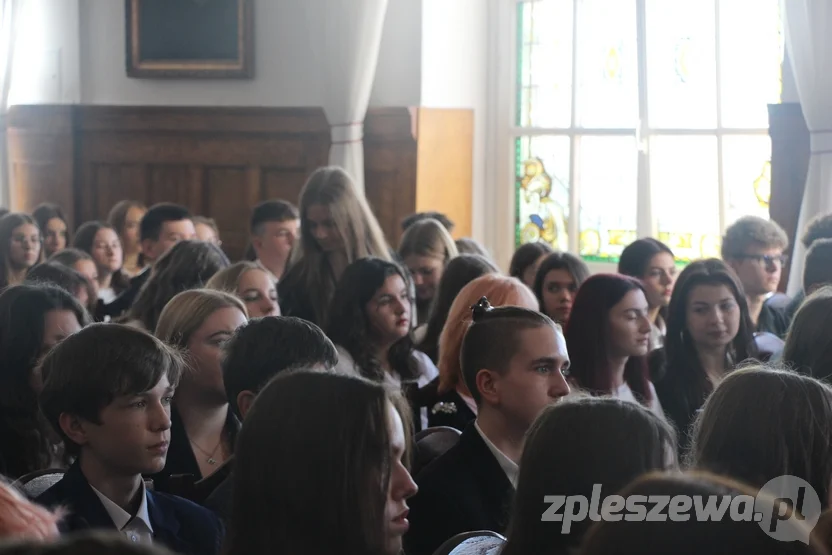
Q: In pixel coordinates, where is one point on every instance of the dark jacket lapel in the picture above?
(491, 479)
(165, 526)
(86, 509)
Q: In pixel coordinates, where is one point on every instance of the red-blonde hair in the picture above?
(501, 291)
(20, 519)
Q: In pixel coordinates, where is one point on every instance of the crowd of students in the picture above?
(275, 404)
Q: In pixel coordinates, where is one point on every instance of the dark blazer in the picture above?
(179, 525)
(464, 489)
(181, 460)
(446, 409)
(123, 302)
(220, 499)
(773, 320)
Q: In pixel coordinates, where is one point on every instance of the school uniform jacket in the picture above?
(463, 490)
(179, 525)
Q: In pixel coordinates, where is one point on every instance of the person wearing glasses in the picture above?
(753, 247)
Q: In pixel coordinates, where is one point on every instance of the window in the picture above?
(642, 117)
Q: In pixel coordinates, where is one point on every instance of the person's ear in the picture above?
(487, 385)
(244, 401)
(74, 428)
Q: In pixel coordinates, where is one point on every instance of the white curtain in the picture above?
(808, 26)
(346, 36)
(10, 11)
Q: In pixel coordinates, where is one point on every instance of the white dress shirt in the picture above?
(509, 466)
(136, 528)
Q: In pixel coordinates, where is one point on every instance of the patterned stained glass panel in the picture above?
(684, 179)
(607, 64)
(608, 181)
(544, 87)
(542, 170)
(681, 64)
(746, 173)
(751, 44)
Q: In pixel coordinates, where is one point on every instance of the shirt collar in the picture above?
(122, 518)
(509, 466)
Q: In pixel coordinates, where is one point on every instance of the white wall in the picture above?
(454, 75)
(47, 58)
(282, 74)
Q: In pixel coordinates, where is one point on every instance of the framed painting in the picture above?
(189, 38)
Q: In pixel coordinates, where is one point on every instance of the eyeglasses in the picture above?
(766, 260)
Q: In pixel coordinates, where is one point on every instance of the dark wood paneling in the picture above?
(790, 150)
(390, 168)
(41, 157)
(219, 162)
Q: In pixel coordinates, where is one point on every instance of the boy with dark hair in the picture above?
(162, 226)
(513, 361)
(107, 392)
(819, 228)
(817, 271)
(753, 247)
(274, 229)
(256, 353)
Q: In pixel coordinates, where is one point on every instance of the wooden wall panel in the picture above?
(390, 168)
(40, 151)
(110, 183)
(220, 162)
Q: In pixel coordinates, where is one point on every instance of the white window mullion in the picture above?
(574, 222)
(645, 217)
(723, 191)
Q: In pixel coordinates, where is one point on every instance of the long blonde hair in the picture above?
(187, 311)
(428, 238)
(361, 235)
(501, 291)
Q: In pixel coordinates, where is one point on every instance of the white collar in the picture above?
(509, 466)
(122, 518)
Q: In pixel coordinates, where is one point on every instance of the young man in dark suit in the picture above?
(107, 392)
(256, 353)
(513, 361)
(164, 225)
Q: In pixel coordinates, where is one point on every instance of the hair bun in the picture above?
(480, 309)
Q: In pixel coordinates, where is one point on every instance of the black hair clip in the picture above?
(480, 309)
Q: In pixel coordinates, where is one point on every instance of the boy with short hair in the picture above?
(107, 392)
(513, 361)
(256, 353)
(274, 229)
(753, 247)
(161, 227)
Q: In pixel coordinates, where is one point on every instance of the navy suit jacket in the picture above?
(179, 525)
(463, 490)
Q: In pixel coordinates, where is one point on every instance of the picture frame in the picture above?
(189, 39)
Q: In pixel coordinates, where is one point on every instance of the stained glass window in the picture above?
(543, 190)
(607, 64)
(668, 120)
(684, 177)
(681, 63)
(746, 172)
(545, 65)
(751, 61)
(608, 172)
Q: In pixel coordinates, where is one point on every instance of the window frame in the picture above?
(646, 216)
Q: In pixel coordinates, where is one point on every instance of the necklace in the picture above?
(210, 460)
